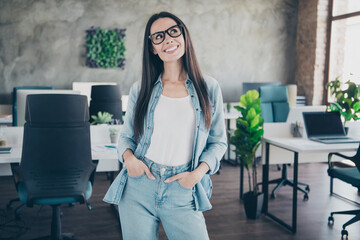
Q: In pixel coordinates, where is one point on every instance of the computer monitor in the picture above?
(21, 100)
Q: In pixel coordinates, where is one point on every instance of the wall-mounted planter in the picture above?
(105, 48)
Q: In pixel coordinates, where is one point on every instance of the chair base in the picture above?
(56, 233)
(283, 181)
(18, 209)
(356, 218)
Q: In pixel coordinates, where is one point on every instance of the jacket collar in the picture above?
(158, 81)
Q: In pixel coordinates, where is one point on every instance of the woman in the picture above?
(173, 138)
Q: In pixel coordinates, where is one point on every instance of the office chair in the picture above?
(15, 123)
(106, 98)
(275, 108)
(14, 109)
(348, 175)
(56, 166)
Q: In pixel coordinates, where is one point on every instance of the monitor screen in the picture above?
(323, 124)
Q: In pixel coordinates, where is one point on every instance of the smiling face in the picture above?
(172, 48)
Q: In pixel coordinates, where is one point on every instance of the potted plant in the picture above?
(246, 139)
(102, 118)
(114, 133)
(347, 100)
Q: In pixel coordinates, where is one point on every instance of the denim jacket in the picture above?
(209, 144)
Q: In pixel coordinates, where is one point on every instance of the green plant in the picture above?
(105, 48)
(101, 118)
(248, 134)
(347, 101)
(113, 131)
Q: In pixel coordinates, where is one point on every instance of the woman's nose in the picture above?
(168, 39)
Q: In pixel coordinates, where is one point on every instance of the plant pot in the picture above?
(114, 138)
(346, 130)
(253, 204)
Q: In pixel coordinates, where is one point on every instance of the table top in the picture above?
(98, 152)
(305, 145)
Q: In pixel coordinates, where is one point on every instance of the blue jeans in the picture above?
(146, 202)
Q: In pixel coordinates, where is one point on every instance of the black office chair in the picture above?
(56, 166)
(348, 175)
(106, 98)
(275, 108)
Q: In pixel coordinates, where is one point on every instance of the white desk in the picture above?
(299, 147)
(108, 159)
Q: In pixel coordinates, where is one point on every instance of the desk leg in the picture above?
(241, 180)
(265, 209)
(266, 179)
(294, 210)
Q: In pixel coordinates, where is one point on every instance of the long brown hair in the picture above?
(152, 67)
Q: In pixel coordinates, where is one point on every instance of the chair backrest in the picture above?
(56, 155)
(106, 98)
(85, 87)
(14, 110)
(21, 100)
(256, 85)
(274, 103)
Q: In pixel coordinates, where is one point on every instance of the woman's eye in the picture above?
(173, 31)
(158, 36)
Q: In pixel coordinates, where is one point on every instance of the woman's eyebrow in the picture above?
(163, 30)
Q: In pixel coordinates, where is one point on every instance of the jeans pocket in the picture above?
(182, 187)
(136, 177)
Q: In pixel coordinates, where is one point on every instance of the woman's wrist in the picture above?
(200, 171)
(127, 155)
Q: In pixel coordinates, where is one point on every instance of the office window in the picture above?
(344, 58)
(341, 7)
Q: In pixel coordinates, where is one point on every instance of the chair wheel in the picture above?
(89, 206)
(307, 189)
(331, 220)
(344, 234)
(306, 197)
(272, 196)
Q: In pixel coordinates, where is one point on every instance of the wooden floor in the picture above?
(225, 221)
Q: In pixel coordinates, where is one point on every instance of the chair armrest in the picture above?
(351, 158)
(92, 176)
(17, 174)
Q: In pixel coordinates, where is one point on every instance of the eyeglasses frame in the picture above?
(166, 32)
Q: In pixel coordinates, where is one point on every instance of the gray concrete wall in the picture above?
(42, 41)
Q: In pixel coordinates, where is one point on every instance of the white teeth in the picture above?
(171, 49)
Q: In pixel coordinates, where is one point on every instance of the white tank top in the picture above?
(173, 133)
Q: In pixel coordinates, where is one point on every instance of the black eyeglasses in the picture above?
(159, 37)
